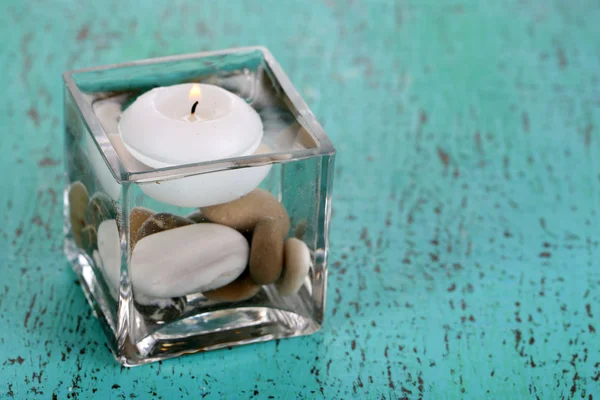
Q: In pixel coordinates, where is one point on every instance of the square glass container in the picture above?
(167, 274)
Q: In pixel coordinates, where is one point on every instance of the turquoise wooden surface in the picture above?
(465, 239)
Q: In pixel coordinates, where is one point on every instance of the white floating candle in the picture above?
(190, 123)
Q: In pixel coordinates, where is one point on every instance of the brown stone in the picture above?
(197, 217)
(89, 239)
(137, 217)
(266, 252)
(244, 213)
(99, 209)
(161, 222)
(242, 288)
(296, 266)
(301, 229)
(78, 201)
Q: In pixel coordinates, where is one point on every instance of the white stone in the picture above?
(186, 260)
(295, 268)
(109, 250)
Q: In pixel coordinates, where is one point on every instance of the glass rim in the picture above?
(302, 113)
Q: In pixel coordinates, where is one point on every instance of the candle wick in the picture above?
(194, 108)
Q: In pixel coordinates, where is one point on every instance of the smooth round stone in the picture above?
(137, 217)
(266, 255)
(241, 289)
(190, 259)
(245, 212)
(301, 229)
(109, 250)
(100, 208)
(78, 200)
(197, 217)
(163, 310)
(296, 266)
(161, 222)
(89, 239)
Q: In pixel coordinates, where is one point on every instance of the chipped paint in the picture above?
(465, 242)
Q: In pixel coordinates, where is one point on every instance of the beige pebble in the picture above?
(89, 239)
(266, 252)
(241, 289)
(137, 217)
(296, 266)
(197, 217)
(301, 229)
(244, 213)
(78, 200)
(99, 209)
(161, 222)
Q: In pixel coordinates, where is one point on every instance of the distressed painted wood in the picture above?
(465, 239)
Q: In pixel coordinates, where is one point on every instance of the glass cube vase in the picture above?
(167, 270)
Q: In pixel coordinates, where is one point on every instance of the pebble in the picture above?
(162, 310)
(244, 213)
(197, 217)
(266, 255)
(89, 239)
(300, 229)
(189, 259)
(78, 200)
(109, 250)
(100, 208)
(296, 266)
(241, 289)
(161, 222)
(137, 217)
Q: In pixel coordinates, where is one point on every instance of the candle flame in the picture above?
(195, 92)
